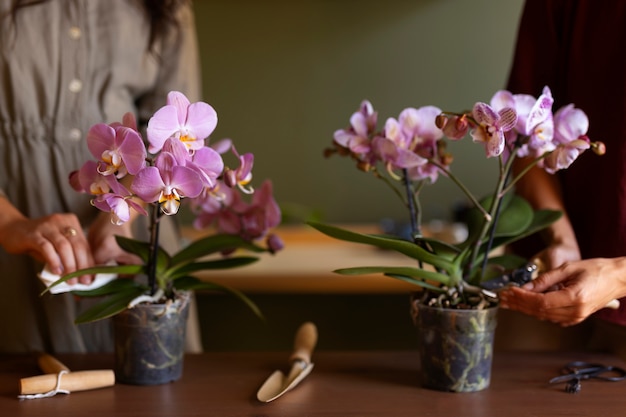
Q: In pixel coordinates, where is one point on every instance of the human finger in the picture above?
(73, 251)
(556, 306)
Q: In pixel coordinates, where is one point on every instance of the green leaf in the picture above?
(213, 244)
(417, 282)
(225, 263)
(399, 245)
(112, 269)
(515, 216)
(396, 270)
(541, 219)
(110, 306)
(142, 249)
(117, 285)
(136, 247)
(195, 284)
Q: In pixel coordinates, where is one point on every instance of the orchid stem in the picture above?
(154, 248)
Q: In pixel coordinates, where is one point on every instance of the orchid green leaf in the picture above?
(397, 270)
(120, 284)
(417, 282)
(399, 245)
(110, 306)
(195, 284)
(213, 244)
(515, 216)
(225, 263)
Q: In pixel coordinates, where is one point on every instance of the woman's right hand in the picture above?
(57, 240)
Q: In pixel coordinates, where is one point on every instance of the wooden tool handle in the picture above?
(305, 341)
(50, 365)
(71, 381)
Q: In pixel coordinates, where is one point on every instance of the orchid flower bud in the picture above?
(599, 148)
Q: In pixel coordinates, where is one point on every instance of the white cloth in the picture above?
(48, 278)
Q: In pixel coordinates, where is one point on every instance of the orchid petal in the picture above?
(201, 119)
(148, 184)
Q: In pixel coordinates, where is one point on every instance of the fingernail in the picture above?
(528, 286)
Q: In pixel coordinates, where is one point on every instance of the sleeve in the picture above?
(179, 65)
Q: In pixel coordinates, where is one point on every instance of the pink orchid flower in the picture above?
(570, 130)
(88, 180)
(191, 123)
(362, 126)
(491, 127)
(242, 175)
(166, 183)
(118, 202)
(118, 148)
(248, 220)
(535, 121)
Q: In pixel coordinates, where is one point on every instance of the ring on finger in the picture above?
(69, 232)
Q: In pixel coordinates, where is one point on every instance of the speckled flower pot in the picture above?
(456, 347)
(150, 342)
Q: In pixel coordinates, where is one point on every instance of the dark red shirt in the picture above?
(578, 49)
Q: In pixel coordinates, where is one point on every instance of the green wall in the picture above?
(284, 75)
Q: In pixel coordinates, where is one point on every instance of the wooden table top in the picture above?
(351, 383)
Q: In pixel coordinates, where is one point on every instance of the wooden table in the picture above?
(372, 383)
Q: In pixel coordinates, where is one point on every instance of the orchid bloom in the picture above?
(491, 127)
(241, 176)
(362, 126)
(394, 148)
(166, 183)
(88, 180)
(191, 123)
(248, 220)
(118, 148)
(118, 202)
(535, 121)
(570, 129)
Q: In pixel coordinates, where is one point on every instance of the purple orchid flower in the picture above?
(118, 148)
(233, 215)
(242, 175)
(88, 180)
(362, 126)
(191, 123)
(118, 202)
(570, 130)
(491, 127)
(535, 121)
(166, 183)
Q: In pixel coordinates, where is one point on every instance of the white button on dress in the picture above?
(76, 85)
(75, 32)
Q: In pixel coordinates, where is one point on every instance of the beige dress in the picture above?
(65, 65)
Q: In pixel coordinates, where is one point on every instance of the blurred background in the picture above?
(283, 75)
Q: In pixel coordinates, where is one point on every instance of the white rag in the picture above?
(48, 278)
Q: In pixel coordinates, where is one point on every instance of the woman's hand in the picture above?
(570, 293)
(105, 249)
(56, 240)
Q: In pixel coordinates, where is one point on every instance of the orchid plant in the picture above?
(411, 152)
(173, 165)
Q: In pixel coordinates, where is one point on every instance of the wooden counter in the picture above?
(364, 383)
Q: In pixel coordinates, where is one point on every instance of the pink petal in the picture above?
(161, 126)
(187, 181)
(181, 103)
(132, 150)
(148, 184)
(201, 120)
(100, 138)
